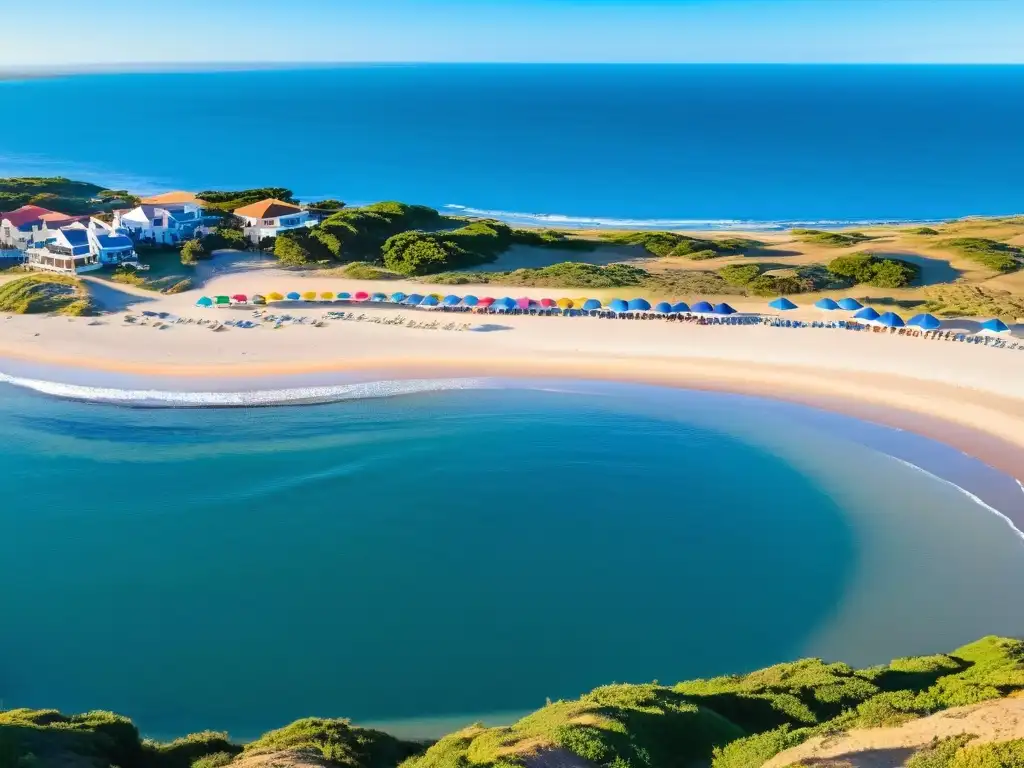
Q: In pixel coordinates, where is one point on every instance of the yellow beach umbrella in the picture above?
(437, 296)
(565, 303)
(309, 296)
(275, 296)
(579, 302)
(326, 295)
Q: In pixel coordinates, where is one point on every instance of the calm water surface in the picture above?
(454, 554)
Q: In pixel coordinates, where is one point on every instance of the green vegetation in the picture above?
(227, 201)
(192, 251)
(961, 300)
(874, 270)
(76, 198)
(326, 205)
(739, 274)
(552, 238)
(922, 231)
(961, 752)
(42, 292)
(423, 253)
(226, 238)
(674, 244)
(338, 742)
(361, 232)
(568, 274)
(361, 270)
(992, 254)
(833, 239)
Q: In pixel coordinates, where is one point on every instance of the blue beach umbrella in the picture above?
(702, 307)
(379, 297)
(344, 296)
(925, 322)
(413, 299)
(782, 303)
(590, 305)
(827, 304)
(505, 302)
(451, 300)
(618, 305)
(849, 304)
(680, 307)
(663, 307)
(724, 309)
(470, 301)
(430, 301)
(639, 305)
(293, 296)
(891, 320)
(398, 298)
(867, 315)
(995, 325)
(205, 301)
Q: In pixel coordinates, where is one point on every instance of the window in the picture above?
(267, 222)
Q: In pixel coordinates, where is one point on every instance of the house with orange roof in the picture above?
(269, 217)
(32, 225)
(168, 218)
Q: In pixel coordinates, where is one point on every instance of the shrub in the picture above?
(923, 231)
(192, 251)
(338, 741)
(226, 238)
(992, 254)
(739, 274)
(180, 287)
(38, 293)
(675, 244)
(874, 270)
(833, 239)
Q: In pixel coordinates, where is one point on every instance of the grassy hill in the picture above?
(736, 721)
(42, 292)
(57, 193)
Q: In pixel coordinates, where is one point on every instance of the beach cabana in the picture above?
(398, 298)
(891, 320)
(565, 304)
(639, 305)
(430, 301)
(379, 297)
(413, 299)
(618, 305)
(485, 302)
(868, 315)
(782, 304)
(548, 303)
(240, 298)
(995, 325)
(470, 301)
(680, 307)
(451, 300)
(309, 296)
(925, 322)
(293, 296)
(702, 307)
(257, 299)
(221, 301)
(590, 305)
(724, 309)
(849, 304)
(663, 308)
(206, 302)
(361, 296)
(829, 305)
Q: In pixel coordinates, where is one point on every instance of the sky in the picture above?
(104, 32)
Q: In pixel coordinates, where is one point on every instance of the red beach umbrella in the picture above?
(361, 296)
(547, 303)
(241, 298)
(486, 301)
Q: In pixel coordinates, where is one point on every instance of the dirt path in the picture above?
(1000, 720)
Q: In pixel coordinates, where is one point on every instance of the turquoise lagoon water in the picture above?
(448, 555)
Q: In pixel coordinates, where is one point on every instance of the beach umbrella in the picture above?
(451, 300)
(309, 296)
(565, 303)
(240, 298)
(275, 296)
(867, 314)
(430, 301)
(590, 305)
(702, 307)
(344, 296)
(891, 320)
(724, 309)
(782, 303)
(523, 303)
(505, 303)
(470, 301)
(205, 301)
(618, 305)
(548, 303)
(849, 304)
(221, 300)
(437, 296)
(326, 295)
(995, 325)
(828, 305)
(485, 302)
(398, 298)
(680, 307)
(257, 299)
(361, 296)
(293, 296)
(579, 302)
(663, 307)
(379, 297)
(639, 305)
(925, 322)
(413, 299)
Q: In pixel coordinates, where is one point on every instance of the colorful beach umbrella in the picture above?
(222, 300)
(925, 322)
(579, 302)
(680, 307)
(663, 307)
(275, 296)
(782, 303)
(398, 298)
(379, 297)
(565, 303)
(257, 299)
(891, 320)
(505, 303)
(470, 301)
(485, 302)
(413, 299)
(523, 303)
(849, 304)
(451, 300)
(867, 314)
(430, 301)
(828, 305)
(205, 301)
(702, 307)
(618, 305)
(639, 305)
(344, 296)
(240, 298)
(327, 295)
(293, 296)
(724, 309)
(589, 305)
(995, 325)
(361, 296)
(309, 296)
(548, 303)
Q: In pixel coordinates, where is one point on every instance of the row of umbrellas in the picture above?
(924, 322)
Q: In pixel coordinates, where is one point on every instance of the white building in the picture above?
(268, 217)
(166, 219)
(111, 246)
(68, 252)
(31, 225)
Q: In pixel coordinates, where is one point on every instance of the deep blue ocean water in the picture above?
(457, 554)
(689, 145)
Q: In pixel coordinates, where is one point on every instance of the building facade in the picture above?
(269, 217)
(67, 252)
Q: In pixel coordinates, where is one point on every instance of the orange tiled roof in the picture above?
(168, 198)
(268, 209)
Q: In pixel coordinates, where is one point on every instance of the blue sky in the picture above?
(791, 31)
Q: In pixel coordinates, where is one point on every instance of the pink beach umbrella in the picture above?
(547, 303)
(361, 296)
(523, 303)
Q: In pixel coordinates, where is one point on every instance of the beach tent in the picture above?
(275, 296)
(891, 320)
(523, 303)
(782, 303)
(868, 315)
(925, 322)
(995, 325)
(240, 298)
(257, 299)
(702, 307)
(430, 301)
(205, 301)
(724, 309)
(413, 299)
(344, 296)
(680, 307)
(361, 296)
(222, 301)
(663, 307)
(470, 301)
(398, 298)
(566, 303)
(826, 304)
(293, 296)
(589, 305)
(485, 302)
(639, 305)
(617, 305)
(326, 295)
(451, 300)
(379, 297)
(849, 304)
(547, 303)
(309, 296)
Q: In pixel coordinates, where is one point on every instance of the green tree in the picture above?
(192, 251)
(292, 248)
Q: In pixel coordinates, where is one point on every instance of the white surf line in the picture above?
(1017, 531)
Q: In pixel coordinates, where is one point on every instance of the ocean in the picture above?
(424, 560)
(717, 147)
